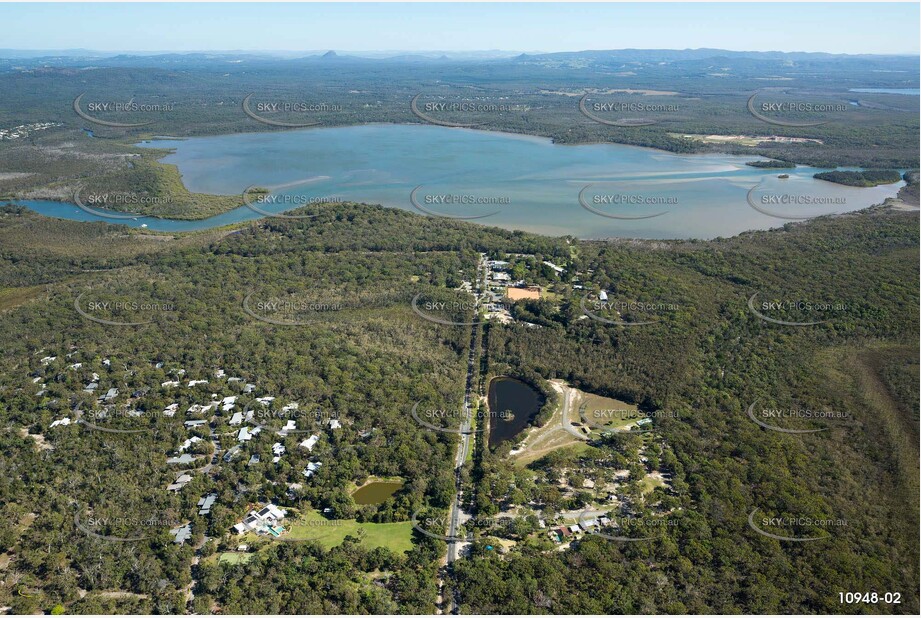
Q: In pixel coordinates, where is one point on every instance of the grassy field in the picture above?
(605, 411)
(331, 532)
(235, 558)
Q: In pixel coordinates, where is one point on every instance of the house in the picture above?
(182, 533)
(253, 460)
(557, 269)
(265, 400)
(219, 373)
(231, 452)
(234, 379)
(603, 296)
(75, 366)
(244, 435)
(527, 293)
(278, 449)
(111, 394)
(181, 481)
(264, 521)
(197, 382)
(171, 409)
(205, 504)
(563, 532)
(195, 423)
(310, 442)
(312, 468)
(64, 422)
(189, 443)
(185, 458)
(575, 528)
(169, 383)
(501, 277)
(291, 406)
(289, 426)
(249, 388)
(236, 419)
(334, 423)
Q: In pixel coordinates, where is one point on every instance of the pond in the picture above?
(511, 395)
(376, 492)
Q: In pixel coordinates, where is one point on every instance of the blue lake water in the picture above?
(906, 91)
(523, 183)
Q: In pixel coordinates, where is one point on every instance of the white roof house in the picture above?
(181, 481)
(265, 400)
(334, 423)
(169, 383)
(289, 426)
(312, 468)
(189, 443)
(310, 442)
(602, 296)
(197, 382)
(236, 419)
(244, 435)
(171, 409)
(64, 421)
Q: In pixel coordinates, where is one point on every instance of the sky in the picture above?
(854, 28)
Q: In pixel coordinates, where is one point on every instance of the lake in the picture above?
(520, 398)
(906, 91)
(376, 492)
(511, 181)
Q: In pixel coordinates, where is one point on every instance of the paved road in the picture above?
(466, 441)
(568, 397)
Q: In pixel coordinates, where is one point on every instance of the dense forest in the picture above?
(707, 357)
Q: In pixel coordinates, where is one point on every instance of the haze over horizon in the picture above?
(843, 28)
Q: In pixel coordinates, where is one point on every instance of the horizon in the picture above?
(419, 28)
(385, 53)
